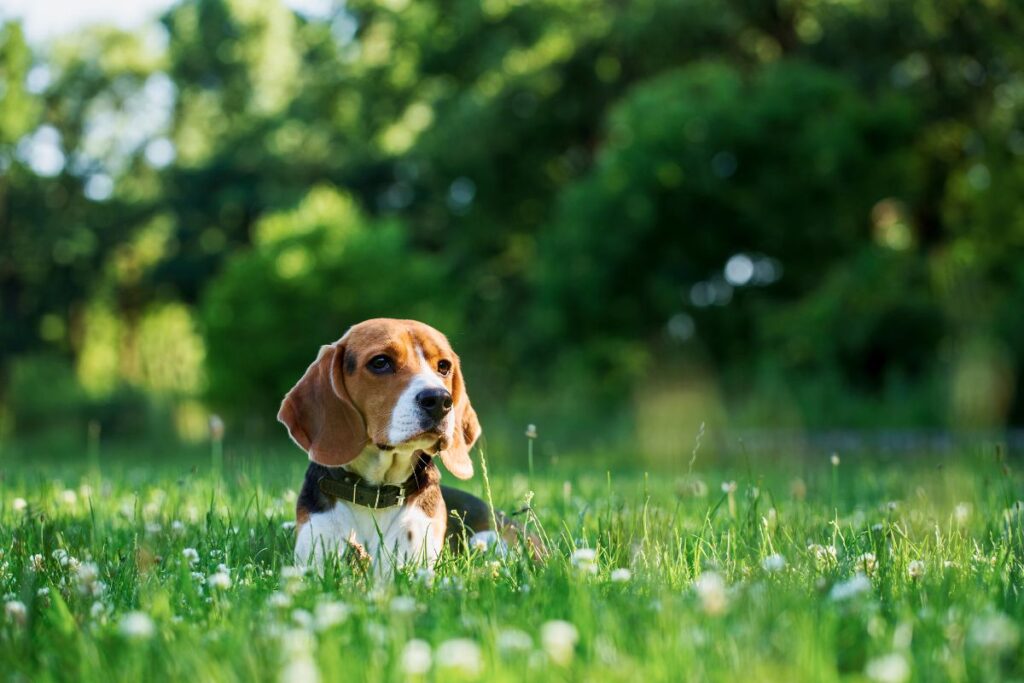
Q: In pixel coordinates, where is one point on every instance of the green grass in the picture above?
(757, 585)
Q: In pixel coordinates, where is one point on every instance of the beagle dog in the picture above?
(372, 412)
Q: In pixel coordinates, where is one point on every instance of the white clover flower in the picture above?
(514, 640)
(728, 487)
(995, 633)
(482, 541)
(585, 560)
(329, 614)
(303, 618)
(178, 527)
(774, 563)
(137, 626)
(37, 563)
(416, 657)
(891, 668)
(223, 568)
(834, 459)
(710, 589)
(621, 575)
(823, 554)
(43, 592)
(916, 569)
(19, 504)
(97, 610)
(68, 497)
(851, 588)
(866, 563)
(461, 654)
(298, 646)
(199, 577)
(219, 580)
(87, 578)
(402, 604)
(962, 512)
(191, 555)
(559, 638)
(15, 611)
(279, 600)
(425, 576)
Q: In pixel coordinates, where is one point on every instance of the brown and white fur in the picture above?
(364, 405)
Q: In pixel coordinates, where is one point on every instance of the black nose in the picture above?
(435, 403)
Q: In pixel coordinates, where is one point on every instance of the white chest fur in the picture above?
(392, 537)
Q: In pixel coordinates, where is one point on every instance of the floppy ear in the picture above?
(319, 414)
(467, 428)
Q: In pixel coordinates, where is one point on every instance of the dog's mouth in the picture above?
(430, 441)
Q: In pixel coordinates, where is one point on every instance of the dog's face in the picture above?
(389, 384)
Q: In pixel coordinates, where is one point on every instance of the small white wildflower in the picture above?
(891, 668)
(199, 576)
(43, 592)
(835, 459)
(153, 528)
(303, 618)
(223, 568)
(866, 563)
(461, 654)
(37, 563)
(19, 504)
(329, 614)
(531, 431)
(621, 575)
(219, 580)
(68, 497)
(514, 640)
(137, 626)
(995, 633)
(482, 541)
(916, 569)
(823, 554)
(728, 487)
(710, 589)
(559, 638)
(279, 600)
(178, 527)
(962, 512)
(97, 610)
(191, 555)
(774, 563)
(15, 611)
(851, 588)
(425, 576)
(402, 604)
(288, 526)
(416, 657)
(585, 559)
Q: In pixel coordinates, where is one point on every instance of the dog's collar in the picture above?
(350, 487)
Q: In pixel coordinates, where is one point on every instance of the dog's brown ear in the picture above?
(319, 414)
(467, 429)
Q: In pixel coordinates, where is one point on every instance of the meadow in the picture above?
(161, 565)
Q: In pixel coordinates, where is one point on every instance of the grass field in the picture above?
(762, 570)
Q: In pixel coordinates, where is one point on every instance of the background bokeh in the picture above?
(631, 218)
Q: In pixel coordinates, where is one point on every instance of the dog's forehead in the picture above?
(410, 335)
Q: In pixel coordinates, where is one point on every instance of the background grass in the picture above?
(751, 580)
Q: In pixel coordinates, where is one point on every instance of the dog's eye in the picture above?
(380, 365)
(444, 366)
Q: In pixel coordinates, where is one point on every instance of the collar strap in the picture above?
(349, 486)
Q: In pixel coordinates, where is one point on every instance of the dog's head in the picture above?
(390, 383)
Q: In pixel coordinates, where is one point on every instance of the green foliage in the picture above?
(557, 185)
(311, 273)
